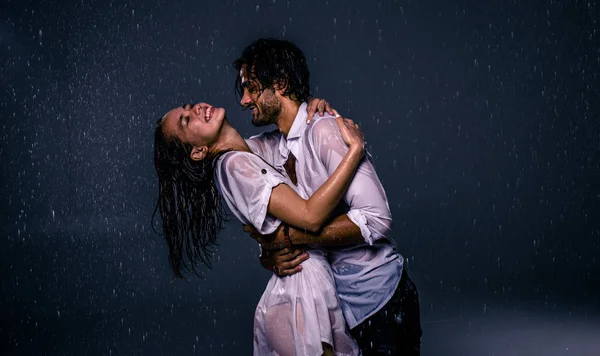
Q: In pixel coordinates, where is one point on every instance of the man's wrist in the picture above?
(291, 236)
(298, 237)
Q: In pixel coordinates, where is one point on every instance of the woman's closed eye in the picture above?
(183, 120)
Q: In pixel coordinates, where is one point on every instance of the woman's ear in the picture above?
(198, 153)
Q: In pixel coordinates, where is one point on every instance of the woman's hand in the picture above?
(318, 105)
(351, 134)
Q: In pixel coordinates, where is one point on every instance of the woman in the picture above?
(299, 314)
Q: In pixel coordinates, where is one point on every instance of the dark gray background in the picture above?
(482, 118)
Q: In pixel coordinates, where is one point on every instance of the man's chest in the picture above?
(309, 172)
(298, 160)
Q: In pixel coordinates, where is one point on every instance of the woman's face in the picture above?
(198, 125)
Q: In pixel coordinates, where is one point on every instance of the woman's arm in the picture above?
(286, 205)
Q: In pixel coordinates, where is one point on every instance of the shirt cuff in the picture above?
(361, 221)
(266, 224)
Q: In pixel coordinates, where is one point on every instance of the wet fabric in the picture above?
(396, 328)
(297, 313)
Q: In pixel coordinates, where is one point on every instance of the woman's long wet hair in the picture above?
(273, 61)
(189, 203)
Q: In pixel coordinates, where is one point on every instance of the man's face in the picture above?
(263, 102)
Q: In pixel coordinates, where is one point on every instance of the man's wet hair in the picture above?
(272, 62)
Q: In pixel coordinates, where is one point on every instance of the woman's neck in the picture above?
(229, 139)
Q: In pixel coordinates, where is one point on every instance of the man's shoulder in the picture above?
(320, 124)
(318, 118)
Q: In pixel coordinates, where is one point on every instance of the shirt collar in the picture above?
(298, 127)
(299, 124)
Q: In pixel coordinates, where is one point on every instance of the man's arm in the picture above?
(339, 231)
(368, 217)
(285, 260)
(365, 197)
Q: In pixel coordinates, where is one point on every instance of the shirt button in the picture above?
(263, 171)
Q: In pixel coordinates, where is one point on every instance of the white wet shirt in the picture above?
(366, 274)
(246, 182)
(295, 314)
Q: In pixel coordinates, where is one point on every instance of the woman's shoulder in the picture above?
(237, 160)
(237, 156)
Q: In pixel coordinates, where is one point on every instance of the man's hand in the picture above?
(284, 262)
(320, 105)
(273, 241)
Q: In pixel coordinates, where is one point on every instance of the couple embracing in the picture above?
(309, 194)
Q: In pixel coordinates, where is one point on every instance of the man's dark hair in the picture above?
(272, 61)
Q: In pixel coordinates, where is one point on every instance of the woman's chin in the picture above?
(219, 114)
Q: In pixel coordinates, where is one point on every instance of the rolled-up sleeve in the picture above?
(246, 183)
(365, 196)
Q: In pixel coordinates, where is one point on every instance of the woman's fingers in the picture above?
(321, 107)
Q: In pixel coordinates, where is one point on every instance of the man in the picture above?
(379, 301)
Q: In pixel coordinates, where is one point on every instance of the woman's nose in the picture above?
(198, 109)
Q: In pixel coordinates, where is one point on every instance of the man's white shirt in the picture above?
(366, 274)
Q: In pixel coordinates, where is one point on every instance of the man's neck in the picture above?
(289, 110)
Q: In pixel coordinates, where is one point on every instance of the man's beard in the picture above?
(268, 110)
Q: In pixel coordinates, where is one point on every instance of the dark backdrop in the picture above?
(482, 120)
